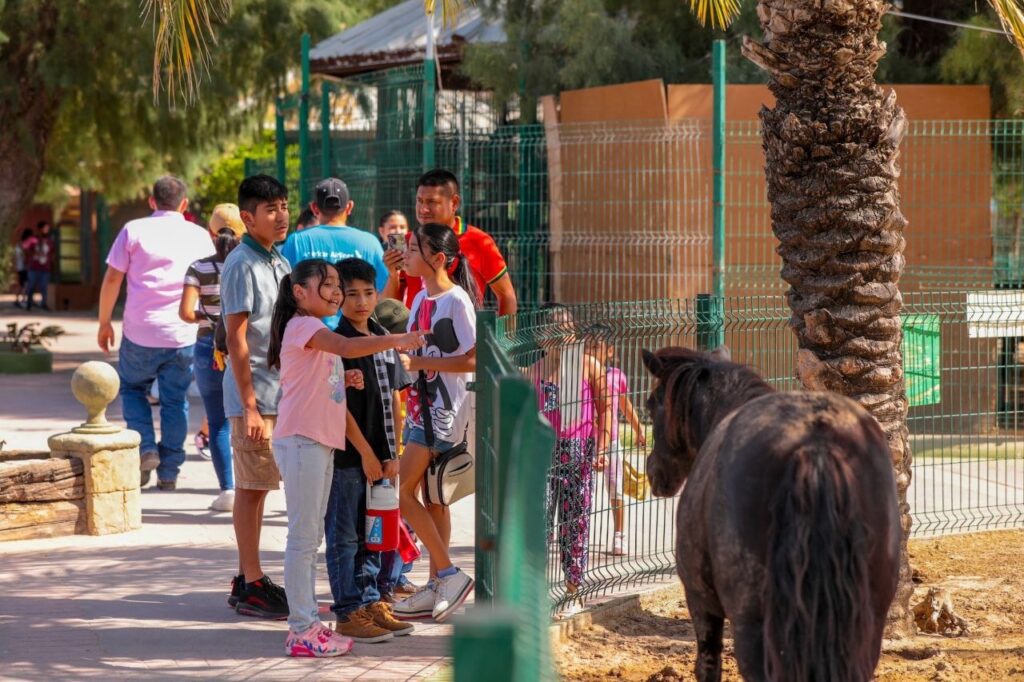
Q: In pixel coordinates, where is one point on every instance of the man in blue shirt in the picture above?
(333, 239)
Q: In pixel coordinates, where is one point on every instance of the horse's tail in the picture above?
(817, 597)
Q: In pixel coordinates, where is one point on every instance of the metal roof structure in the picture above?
(398, 36)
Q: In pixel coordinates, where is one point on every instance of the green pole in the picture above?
(282, 143)
(325, 129)
(718, 167)
(304, 125)
(429, 93)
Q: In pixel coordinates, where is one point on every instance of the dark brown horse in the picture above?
(788, 525)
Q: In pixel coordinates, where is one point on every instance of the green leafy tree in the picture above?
(76, 89)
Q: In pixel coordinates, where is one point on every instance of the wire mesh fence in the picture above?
(615, 211)
(964, 363)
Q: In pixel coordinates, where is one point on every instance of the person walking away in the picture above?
(200, 304)
(333, 239)
(600, 344)
(438, 201)
(354, 570)
(249, 283)
(313, 421)
(21, 267)
(446, 307)
(152, 255)
(571, 387)
(39, 252)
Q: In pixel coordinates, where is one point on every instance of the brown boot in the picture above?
(382, 617)
(360, 627)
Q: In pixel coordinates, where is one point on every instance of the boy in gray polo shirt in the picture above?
(249, 286)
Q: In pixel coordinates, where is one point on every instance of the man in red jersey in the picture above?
(438, 201)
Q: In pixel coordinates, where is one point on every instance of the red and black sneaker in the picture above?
(262, 599)
(237, 582)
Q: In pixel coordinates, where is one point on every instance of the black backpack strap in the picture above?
(428, 423)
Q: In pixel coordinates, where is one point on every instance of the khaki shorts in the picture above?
(255, 468)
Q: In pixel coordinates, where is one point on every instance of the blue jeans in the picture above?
(138, 366)
(38, 280)
(392, 572)
(352, 568)
(210, 382)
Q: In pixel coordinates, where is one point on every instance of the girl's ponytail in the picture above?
(284, 310)
(463, 276)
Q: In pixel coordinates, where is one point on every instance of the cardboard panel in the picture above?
(641, 101)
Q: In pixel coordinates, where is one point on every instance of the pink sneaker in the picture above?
(317, 642)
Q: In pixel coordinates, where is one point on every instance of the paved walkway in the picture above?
(151, 604)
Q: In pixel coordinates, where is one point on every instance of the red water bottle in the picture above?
(382, 516)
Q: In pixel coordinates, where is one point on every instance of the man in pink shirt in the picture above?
(152, 254)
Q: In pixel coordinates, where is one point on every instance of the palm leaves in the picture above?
(720, 13)
(1011, 16)
(184, 31)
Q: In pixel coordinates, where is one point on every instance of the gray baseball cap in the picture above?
(330, 194)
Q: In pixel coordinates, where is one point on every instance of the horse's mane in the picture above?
(701, 391)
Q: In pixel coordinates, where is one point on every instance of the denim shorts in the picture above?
(416, 434)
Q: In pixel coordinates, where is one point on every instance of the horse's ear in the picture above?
(722, 353)
(651, 362)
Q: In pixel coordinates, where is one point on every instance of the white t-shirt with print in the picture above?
(451, 317)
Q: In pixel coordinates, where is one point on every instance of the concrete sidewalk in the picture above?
(151, 604)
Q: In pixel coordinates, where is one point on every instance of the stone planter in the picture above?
(88, 482)
(37, 360)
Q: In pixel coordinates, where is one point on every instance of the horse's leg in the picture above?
(708, 628)
(748, 643)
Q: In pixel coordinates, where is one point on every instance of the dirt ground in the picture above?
(983, 573)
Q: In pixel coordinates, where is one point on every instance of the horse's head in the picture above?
(680, 377)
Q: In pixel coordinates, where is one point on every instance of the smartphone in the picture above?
(396, 242)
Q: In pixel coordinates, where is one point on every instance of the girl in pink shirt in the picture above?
(312, 420)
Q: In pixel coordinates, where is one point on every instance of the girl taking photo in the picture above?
(446, 307)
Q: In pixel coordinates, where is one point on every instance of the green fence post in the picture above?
(282, 143)
(429, 94)
(482, 645)
(486, 500)
(718, 167)
(325, 129)
(710, 322)
(304, 125)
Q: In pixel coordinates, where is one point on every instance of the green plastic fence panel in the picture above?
(922, 359)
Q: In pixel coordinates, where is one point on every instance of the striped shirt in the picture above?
(204, 274)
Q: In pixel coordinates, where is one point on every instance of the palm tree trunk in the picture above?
(831, 145)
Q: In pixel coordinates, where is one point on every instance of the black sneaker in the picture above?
(237, 582)
(262, 599)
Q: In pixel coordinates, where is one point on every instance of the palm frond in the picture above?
(184, 30)
(449, 9)
(1011, 15)
(718, 13)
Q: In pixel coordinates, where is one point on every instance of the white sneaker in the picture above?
(418, 605)
(451, 592)
(224, 502)
(619, 546)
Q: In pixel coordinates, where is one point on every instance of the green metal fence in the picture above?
(565, 201)
(508, 640)
(964, 362)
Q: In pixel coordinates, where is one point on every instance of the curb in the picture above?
(601, 614)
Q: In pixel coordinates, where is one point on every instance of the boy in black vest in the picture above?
(353, 569)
